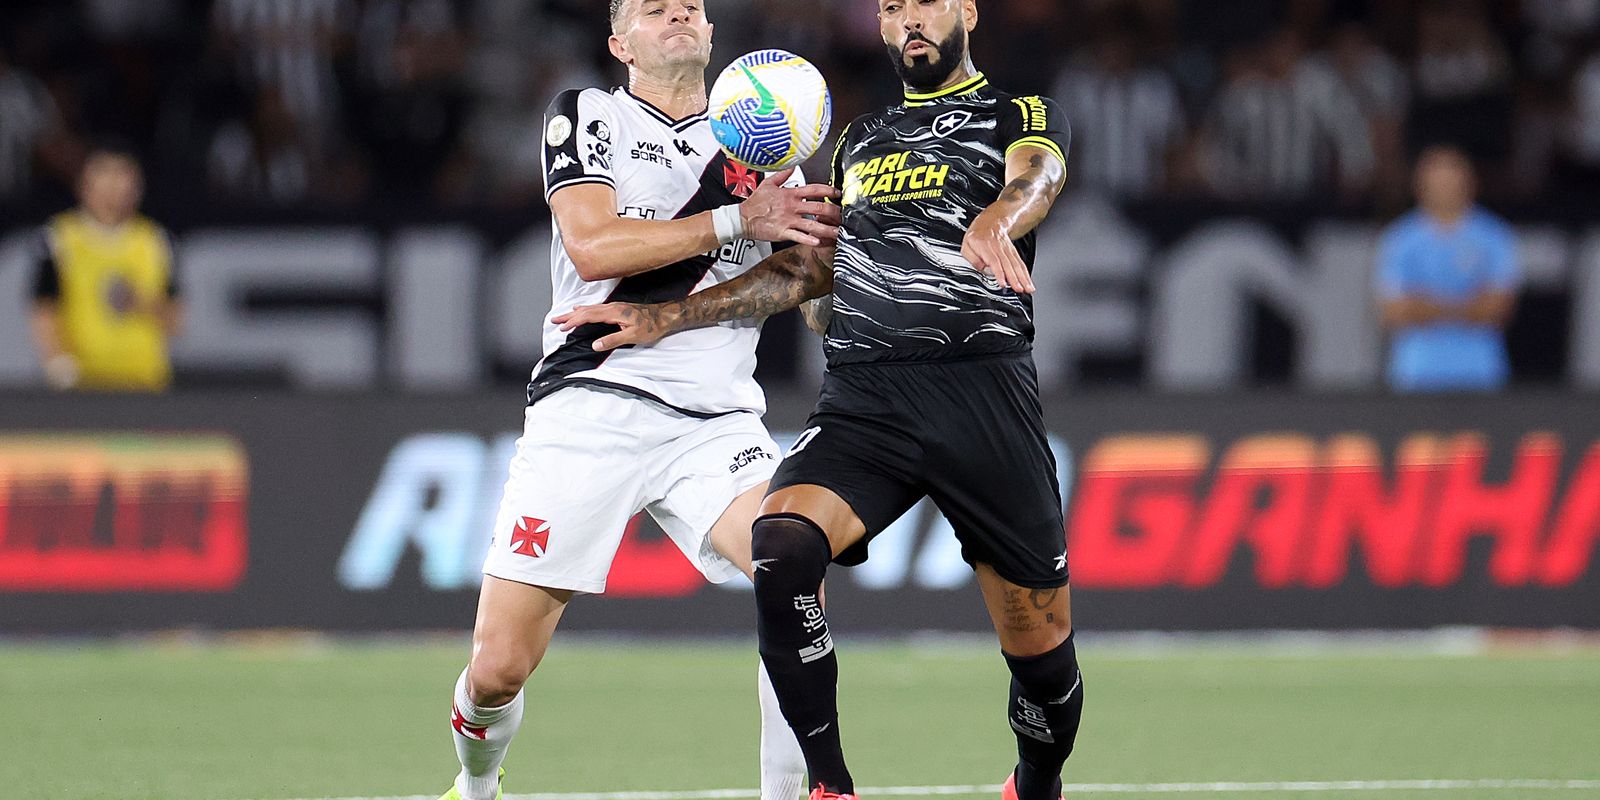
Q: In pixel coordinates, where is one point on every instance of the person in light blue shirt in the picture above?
(1447, 282)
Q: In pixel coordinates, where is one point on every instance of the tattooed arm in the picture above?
(1035, 177)
(818, 313)
(781, 282)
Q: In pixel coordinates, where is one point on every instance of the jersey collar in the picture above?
(968, 86)
(679, 125)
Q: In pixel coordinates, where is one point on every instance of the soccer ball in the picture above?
(770, 110)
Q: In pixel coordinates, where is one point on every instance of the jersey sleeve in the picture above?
(1504, 273)
(579, 140)
(836, 164)
(174, 290)
(1036, 121)
(46, 276)
(1390, 277)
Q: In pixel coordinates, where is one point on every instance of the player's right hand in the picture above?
(775, 213)
(641, 325)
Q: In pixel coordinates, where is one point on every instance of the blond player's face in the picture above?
(112, 187)
(666, 34)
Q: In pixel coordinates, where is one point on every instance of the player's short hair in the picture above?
(113, 149)
(617, 7)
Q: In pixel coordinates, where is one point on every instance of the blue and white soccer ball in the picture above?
(771, 110)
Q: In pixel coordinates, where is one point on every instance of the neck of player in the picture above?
(963, 73)
(679, 95)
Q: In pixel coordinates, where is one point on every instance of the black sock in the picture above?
(1046, 706)
(791, 555)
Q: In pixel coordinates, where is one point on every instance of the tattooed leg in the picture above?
(1046, 704)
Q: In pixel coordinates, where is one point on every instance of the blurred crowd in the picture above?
(436, 104)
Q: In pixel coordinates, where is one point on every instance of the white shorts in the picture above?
(591, 458)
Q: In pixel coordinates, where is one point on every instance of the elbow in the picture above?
(588, 263)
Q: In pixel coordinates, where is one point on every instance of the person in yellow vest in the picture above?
(105, 296)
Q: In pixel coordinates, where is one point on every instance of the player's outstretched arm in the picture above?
(781, 282)
(1035, 177)
(604, 246)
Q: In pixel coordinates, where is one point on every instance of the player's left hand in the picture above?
(641, 325)
(988, 247)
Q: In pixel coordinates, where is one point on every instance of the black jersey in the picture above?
(914, 177)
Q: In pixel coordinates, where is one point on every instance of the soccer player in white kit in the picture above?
(647, 208)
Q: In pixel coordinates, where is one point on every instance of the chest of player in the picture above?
(102, 269)
(666, 172)
(945, 152)
(1452, 266)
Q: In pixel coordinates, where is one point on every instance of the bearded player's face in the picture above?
(666, 34)
(927, 39)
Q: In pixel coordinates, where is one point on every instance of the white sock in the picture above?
(783, 765)
(482, 736)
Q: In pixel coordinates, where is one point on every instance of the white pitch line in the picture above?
(1221, 787)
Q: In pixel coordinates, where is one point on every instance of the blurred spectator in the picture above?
(27, 121)
(1447, 280)
(1583, 126)
(1463, 82)
(409, 101)
(1382, 89)
(1128, 125)
(288, 46)
(105, 292)
(427, 104)
(1280, 125)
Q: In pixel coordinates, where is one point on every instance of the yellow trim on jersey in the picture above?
(1038, 141)
(973, 84)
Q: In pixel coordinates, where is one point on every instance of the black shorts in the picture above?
(969, 434)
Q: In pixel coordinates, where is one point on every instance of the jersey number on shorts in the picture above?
(805, 439)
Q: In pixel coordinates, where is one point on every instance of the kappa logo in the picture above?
(684, 148)
(951, 122)
(563, 161)
(748, 457)
(531, 537)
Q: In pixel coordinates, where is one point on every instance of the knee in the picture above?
(494, 679)
(1037, 640)
(789, 553)
(1053, 672)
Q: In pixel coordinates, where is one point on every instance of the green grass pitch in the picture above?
(272, 721)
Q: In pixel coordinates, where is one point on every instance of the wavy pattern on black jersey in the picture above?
(902, 289)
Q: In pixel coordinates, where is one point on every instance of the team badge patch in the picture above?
(558, 131)
(531, 537)
(740, 179)
(951, 122)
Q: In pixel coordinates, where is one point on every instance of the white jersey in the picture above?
(661, 169)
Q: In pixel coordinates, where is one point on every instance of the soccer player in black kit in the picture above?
(930, 391)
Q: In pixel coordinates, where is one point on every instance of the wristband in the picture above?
(728, 222)
(61, 371)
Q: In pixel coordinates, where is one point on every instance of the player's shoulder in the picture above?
(580, 102)
(1489, 223)
(1024, 103)
(1405, 229)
